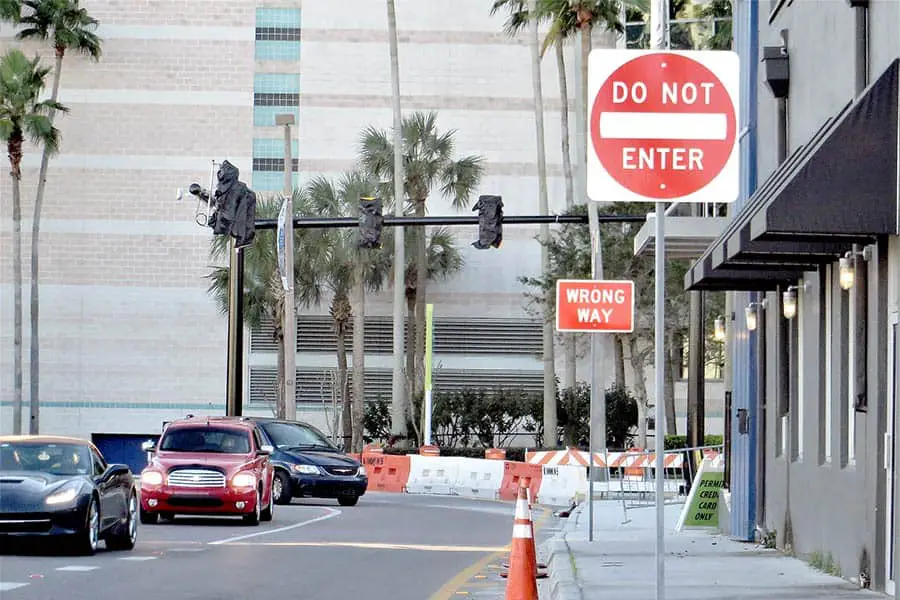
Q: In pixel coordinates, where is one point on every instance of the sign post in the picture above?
(662, 127)
(429, 350)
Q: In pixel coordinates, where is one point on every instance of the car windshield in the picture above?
(205, 439)
(294, 435)
(55, 459)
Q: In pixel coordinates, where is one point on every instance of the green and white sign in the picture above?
(702, 507)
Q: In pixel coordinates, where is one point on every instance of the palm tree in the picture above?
(444, 261)
(66, 26)
(263, 292)
(428, 156)
(336, 272)
(23, 114)
(10, 10)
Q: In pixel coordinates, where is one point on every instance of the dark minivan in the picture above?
(308, 465)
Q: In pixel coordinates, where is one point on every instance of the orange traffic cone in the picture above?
(539, 571)
(521, 583)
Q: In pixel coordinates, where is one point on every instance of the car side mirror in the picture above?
(148, 446)
(266, 449)
(115, 470)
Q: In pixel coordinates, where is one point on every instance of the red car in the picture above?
(208, 466)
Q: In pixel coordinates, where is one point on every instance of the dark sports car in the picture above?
(61, 486)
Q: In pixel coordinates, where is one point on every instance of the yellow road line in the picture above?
(377, 546)
(451, 588)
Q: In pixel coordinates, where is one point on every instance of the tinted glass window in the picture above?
(291, 435)
(99, 464)
(56, 459)
(205, 439)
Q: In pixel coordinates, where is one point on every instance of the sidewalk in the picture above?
(621, 563)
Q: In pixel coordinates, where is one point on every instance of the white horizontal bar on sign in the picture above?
(663, 126)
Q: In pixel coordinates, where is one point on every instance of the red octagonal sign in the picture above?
(663, 126)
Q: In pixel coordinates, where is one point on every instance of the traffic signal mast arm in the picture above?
(390, 221)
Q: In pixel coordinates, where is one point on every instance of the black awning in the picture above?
(703, 277)
(839, 189)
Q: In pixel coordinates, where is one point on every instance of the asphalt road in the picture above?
(388, 547)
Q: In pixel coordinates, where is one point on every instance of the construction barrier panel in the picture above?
(561, 485)
(479, 478)
(386, 473)
(495, 454)
(512, 473)
(432, 474)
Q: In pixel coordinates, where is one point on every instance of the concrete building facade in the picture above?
(812, 259)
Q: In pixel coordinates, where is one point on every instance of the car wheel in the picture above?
(125, 536)
(87, 540)
(148, 518)
(253, 518)
(281, 488)
(267, 513)
(348, 500)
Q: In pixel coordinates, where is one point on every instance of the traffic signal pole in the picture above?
(235, 387)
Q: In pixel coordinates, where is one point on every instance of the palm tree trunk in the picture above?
(279, 379)
(421, 287)
(15, 157)
(359, 360)
(344, 393)
(550, 417)
(35, 357)
(672, 366)
(413, 401)
(619, 351)
(640, 389)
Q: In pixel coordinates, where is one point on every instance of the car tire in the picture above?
(267, 513)
(348, 500)
(125, 536)
(86, 541)
(149, 518)
(281, 488)
(253, 518)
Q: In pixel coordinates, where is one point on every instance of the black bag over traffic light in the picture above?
(490, 222)
(235, 207)
(370, 222)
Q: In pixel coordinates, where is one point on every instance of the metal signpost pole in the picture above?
(289, 330)
(429, 348)
(658, 15)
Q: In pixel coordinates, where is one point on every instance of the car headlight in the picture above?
(244, 480)
(152, 477)
(307, 469)
(62, 497)
(362, 470)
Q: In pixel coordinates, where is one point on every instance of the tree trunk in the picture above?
(421, 287)
(413, 401)
(14, 147)
(35, 357)
(359, 358)
(564, 125)
(344, 393)
(399, 396)
(674, 364)
(640, 389)
(619, 350)
(550, 413)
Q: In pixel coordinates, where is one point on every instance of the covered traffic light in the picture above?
(370, 222)
(490, 222)
(233, 206)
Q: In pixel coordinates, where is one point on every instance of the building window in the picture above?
(277, 34)
(268, 164)
(825, 327)
(273, 94)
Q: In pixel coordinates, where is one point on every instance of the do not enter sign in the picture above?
(663, 126)
(594, 305)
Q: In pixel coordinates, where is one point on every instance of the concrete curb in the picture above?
(563, 579)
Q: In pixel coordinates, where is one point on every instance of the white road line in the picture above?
(6, 586)
(138, 558)
(77, 568)
(332, 512)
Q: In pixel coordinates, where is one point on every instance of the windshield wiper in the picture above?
(309, 446)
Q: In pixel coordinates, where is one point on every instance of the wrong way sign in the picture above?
(594, 305)
(663, 126)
